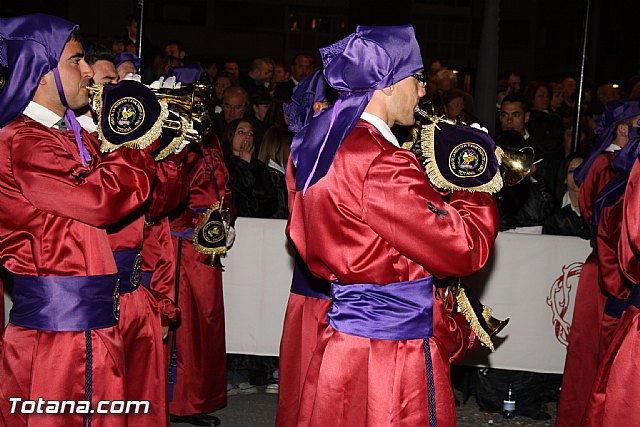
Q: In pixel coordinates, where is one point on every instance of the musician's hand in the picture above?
(165, 332)
(231, 237)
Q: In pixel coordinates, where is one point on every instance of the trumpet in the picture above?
(516, 165)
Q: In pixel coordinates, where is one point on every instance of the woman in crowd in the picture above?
(253, 194)
(566, 220)
(274, 152)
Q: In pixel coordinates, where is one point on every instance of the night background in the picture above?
(541, 39)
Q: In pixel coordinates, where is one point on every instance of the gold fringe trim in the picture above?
(175, 142)
(470, 315)
(139, 143)
(203, 249)
(427, 145)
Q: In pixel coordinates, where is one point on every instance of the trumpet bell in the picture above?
(214, 261)
(516, 165)
(496, 325)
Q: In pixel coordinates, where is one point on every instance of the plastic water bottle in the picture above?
(509, 403)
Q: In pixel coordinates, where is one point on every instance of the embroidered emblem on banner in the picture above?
(562, 298)
(467, 160)
(136, 274)
(213, 232)
(126, 115)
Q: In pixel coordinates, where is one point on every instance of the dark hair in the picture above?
(275, 145)
(261, 97)
(99, 53)
(298, 55)
(516, 97)
(177, 43)
(227, 137)
(562, 174)
(452, 94)
(532, 88)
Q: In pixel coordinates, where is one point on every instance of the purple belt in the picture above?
(397, 311)
(129, 265)
(187, 234)
(306, 284)
(65, 303)
(145, 279)
(634, 297)
(614, 307)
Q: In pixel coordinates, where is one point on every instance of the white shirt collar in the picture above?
(566, 200)
(87, 123)
(272, 164)
(41, 114)
(613, 147)
(382, 127)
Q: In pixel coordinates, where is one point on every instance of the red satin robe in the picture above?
(304, 320)
(367, 221)
(143, 312)
(202, 371)
(615, 396)
(612, 281)
(581, 363)
(51, 224)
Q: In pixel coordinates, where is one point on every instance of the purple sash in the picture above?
(145, 279)
(187, 234)
(397, 311)
(306, 284)
(129, 265)
(65, 303)
(634, 297)
(614, 307)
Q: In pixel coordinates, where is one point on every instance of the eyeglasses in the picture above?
(422, 79)
(233, 107)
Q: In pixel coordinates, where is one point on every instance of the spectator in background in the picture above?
(258, 76)
(514, 82)
(211, 67)
(131, 34)
(261, 105)
(446, 80)
(453, 103)
(231, 67)
(220, 83)
(235, 103)
(567, 220)
(514, 115)
(102, 63)
(176, 49)
(117, 44)
(569, 87)
(528, 203)
(301, 67)
(555, 105)
(165, 64)
(252, 192)
(126, 63)
(274, 152)
(607, 92)
(280, 73)
(544, 126)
